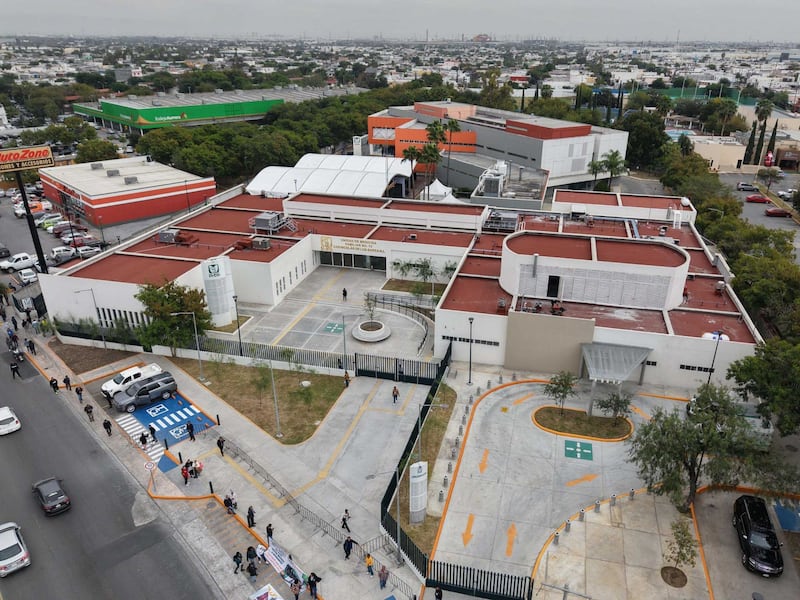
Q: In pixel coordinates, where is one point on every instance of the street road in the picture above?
(114, 543)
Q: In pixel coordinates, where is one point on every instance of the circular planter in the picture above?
(371, 331)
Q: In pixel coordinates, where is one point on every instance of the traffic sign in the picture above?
(575, 449)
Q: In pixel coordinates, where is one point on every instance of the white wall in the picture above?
(485, 328)
(255, 282)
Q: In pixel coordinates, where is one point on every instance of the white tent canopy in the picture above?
(357, 176)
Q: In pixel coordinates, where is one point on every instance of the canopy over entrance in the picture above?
(612, 363)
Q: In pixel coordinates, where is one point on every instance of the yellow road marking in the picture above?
(314, 299)
(640, 412)
(519, 401)
(585, 479)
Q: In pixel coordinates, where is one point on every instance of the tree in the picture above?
(613, 164)
(560, 387)
(412, 154)
(682, 548)
(760, 145)
(430, 157)
(748, 151)
(764, 109)
(616, 403)
(773, 139)
(772, 375)
(646, 138)
(96, 150)
(450, 128)
(595, 168)
(685, 144)
(673, 453)
(166, 328)
(768, 176)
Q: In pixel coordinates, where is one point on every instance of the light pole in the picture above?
(397, 495)
(97, 313)
(278, 433)
(718, 335)
(196, 337)
(102, 233)
(469, 380)
(238, 327)
(344, 344)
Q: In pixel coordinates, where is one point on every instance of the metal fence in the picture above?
(477, 582)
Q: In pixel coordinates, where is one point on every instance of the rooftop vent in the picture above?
(412, 236)
(97, 166)
(112, 173)
(131, 179)
(261, 243)
(168, 236)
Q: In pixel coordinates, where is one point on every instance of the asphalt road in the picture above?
(114, 542)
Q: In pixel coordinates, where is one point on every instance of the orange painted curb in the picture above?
(676, 398)
(702, 552)
(577, 435)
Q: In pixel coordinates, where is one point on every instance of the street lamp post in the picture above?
(718, 335)
(196, 337)
(238, 327)
(97, 314)
(102, 233)
(278, 433)
(344, 344)
(469, 380)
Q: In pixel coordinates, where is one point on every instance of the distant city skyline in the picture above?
(568, 20)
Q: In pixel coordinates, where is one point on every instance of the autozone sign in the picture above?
(22, 159)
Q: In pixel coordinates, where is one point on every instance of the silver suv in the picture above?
(145, 391)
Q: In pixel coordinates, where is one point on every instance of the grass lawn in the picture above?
(578, 422)
(81, 359)
(406, 285)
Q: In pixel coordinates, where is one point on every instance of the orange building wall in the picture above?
(383, 123)
(463, 141)
(547, 133)
(445, 111)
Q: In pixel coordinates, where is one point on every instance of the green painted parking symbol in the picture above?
(334, 327)
(573, 449)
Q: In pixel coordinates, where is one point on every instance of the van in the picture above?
(123, 380)
(59, 253)
(145, 391)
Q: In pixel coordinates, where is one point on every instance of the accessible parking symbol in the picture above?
(574, 449)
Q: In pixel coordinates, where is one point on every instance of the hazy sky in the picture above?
(604, 20)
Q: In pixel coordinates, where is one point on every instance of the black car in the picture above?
(761, 551)
(51, 496)
(4, 252)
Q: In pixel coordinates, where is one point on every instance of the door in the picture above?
(553, 284)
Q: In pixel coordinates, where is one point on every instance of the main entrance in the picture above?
(356, 261)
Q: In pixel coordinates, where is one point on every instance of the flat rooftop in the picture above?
(621, 200)
(140, 270)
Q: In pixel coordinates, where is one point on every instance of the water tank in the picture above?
(218, 285)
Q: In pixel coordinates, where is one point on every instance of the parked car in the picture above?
(52, 225)
(60, 252)
(760, 548)
(51, 495)
(145, 391)
(757, 198)
(777, 211)
(87, 251)
(784, 195)
(11, 192)
(27, 276)
(47, 223)
(14, 554)
(124, 379)
(20, 261)
(62, 228)
(48, 216)
(8, 420)
(68, 238)
(4, 252)
(743, 186)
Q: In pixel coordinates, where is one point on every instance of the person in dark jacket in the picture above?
(348, 547)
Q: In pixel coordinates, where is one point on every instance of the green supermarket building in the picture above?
(140, 114)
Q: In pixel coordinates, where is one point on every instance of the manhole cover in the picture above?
(211, 504)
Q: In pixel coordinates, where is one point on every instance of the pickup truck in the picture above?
(123, 380)
(17, 262)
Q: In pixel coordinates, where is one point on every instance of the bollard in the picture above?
(211, 486)
(218, 421)
(471, 398)
(166, 444)
(488, 384)
(460, 430)
(513, 377)
(597, 506)
(180, 458)
(445, 481)
(458, 442)
(555, 539)
(479, 391)
(454, 453)
(449, 467)
(567, 525)
(500, 378)
(466, 409)
(613, 499)
(464, 420)
(632, 493)
(581, 515)
(441, 495)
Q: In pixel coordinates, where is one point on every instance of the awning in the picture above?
(612, 363)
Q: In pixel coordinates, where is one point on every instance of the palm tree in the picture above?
(452, 127)
(595, 168)
(726, 110)
(431, 157)
(412, 154)
(764, 109)
(614, 164)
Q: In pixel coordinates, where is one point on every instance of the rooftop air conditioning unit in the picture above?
(97, 166)
(132, 179)
(168, 236)
(261, 243)
(412, 236)
(267, 220)
(113, 172)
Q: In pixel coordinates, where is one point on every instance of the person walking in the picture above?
(313, 580)
(110, 404)
(395, 394)
(54, 384)
(251, 555)
(345, 519)
(295, 589)
(107, 426)
(261, 553)
(269, 533)
(383, 576)
(344, 299)
(346, 379)
(221, 445)
(348, 547)
(152, 432)
(79, 394)
(190, 431)
(67, 383)
(89, 410)
(143, 440)
(234, 500)
(228, 505)
(370, 562)
(15, 370)
(16, 326)
(237, 560)
(438, 593)
(185, 474)
(251, 517)
(252, 571)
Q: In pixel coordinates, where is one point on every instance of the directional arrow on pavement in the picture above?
(521, 400)
(510, 535)
(467, 535)
(585, 479)
(484, 461)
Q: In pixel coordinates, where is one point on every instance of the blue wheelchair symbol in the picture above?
(178, 432)
(156, 410)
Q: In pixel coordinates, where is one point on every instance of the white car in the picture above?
(8, 421)
(27, 276)
(17, 262)
(14, 554)
(68, 238)
(53, 226)
(87, 251)
(11, 192)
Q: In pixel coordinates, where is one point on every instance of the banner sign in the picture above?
(22, 159)
(282, 563)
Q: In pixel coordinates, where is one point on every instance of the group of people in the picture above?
(231, 503)
(191, 469)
